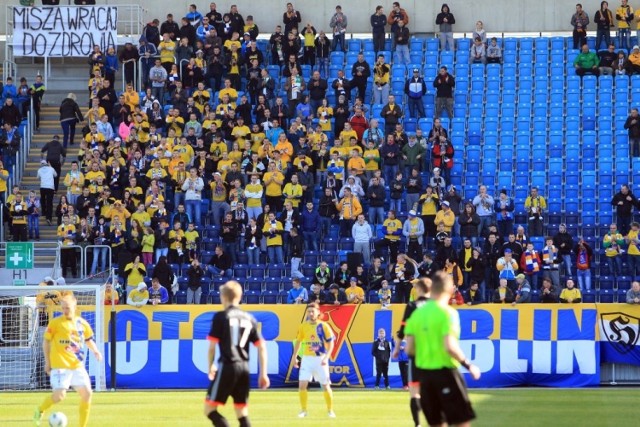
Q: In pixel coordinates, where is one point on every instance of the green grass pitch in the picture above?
(506, 407)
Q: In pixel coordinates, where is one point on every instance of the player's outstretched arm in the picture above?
(212, 356)
(453, 348)
(94, 349)
(296, 349)
(263, 380)
(46, 349)
(327, 355)
(396, 347)
(410, 346)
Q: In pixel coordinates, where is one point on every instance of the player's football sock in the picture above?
(415, 410)
(218, 420)
(244, 422)
(85, 408)
(304, 394)
(328, 398)
(46, 404)
(37, 417)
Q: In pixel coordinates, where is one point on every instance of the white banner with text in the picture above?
(63, 31)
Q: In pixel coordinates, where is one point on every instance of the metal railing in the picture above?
(140, 68)
(82, 271)
(136, 67)
(9, 69)
(17, 170)
(107, 268)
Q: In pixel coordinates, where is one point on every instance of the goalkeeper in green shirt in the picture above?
(432, 334)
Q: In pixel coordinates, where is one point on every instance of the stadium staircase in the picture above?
(49, 126)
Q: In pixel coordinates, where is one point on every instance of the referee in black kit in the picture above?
(422, 287)
(233, 330)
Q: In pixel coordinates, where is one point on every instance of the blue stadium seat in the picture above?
(253, 284)
(605, 296)
(213, 297)
(309, 269)
(398, 72)
(606, 282)
(416, 44)
(624, 283)
(183, 283)
(270, 297)
(535, 296)
(354, 45)
(432, 44)
(372, 297)
(463, 44)
(272, 284)
(181, 297)
(538, 179)
(507, 122)
(330, 244)
(240, 271)
(306, 71)
(274, 71)
(345, 244)
(258, 270)
(276, 270)
(251, 297)
(367, 46)
(588, 296)
(510, 44)
(504, 180)
(605, 83)
(558, 43)
(337, 58)
(446, 58)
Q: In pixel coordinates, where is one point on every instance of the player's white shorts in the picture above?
(65, 378)
(312, 367)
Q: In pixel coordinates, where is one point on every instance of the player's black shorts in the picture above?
(443, 396)
(231, 380)
(414, 372)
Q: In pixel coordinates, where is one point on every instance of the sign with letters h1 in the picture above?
(19, 256)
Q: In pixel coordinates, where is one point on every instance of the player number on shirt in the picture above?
(236, 325)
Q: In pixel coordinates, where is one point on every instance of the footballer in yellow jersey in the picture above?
(64, 344)
(317, 342)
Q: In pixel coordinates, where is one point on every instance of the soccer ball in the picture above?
(58, 419)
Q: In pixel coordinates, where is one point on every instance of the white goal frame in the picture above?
(30, 330)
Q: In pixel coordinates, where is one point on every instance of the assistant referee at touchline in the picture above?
(433, 333)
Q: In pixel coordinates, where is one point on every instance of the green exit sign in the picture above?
(19, 255)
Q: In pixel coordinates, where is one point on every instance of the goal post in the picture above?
(24, 314)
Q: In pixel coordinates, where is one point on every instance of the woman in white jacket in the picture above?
(192, 186)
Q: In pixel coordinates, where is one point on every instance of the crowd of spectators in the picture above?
(215, 150)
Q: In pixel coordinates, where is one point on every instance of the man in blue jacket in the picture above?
(415, 88)
(310, 227)
(298, 294)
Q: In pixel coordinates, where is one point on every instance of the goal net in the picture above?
(24, 314)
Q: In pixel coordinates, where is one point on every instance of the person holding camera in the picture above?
(194, 274)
